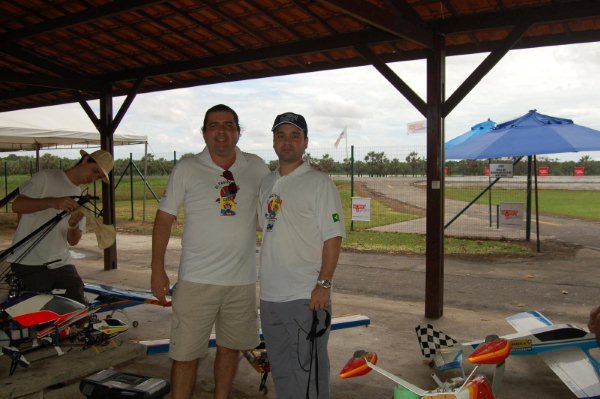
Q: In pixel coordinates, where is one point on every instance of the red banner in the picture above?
(445, 171)
(579, 171)
(544, 171)
(486, 171)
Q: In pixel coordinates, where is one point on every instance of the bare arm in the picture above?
(24, 204)
(320, 297)
(161, 233)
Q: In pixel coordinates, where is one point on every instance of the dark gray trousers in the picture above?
(285, 326)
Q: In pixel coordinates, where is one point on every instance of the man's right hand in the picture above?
(159, 283)
(64, 204)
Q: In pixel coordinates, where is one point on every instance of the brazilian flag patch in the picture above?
(336, 217)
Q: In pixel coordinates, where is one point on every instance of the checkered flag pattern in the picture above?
(431, 340)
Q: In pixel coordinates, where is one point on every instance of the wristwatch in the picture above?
(325, 283)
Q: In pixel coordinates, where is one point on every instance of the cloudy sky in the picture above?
(560, 81)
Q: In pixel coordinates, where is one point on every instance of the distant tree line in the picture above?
(377, 164)
(20, 165)
(374, 164)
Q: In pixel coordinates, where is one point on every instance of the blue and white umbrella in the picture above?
(531, 134)
(476, 130)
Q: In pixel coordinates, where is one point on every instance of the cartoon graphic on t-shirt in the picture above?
(274, 205)
(227, 201)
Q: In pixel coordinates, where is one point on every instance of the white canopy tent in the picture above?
(27, 139)
(30, 139)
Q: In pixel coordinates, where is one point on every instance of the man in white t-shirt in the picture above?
(301, 216)
(47, 265)
(216, 285)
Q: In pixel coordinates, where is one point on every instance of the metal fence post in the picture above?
(131, 183)
(351, 184)
(5, 185)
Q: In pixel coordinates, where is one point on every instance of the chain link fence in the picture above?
(393, 178)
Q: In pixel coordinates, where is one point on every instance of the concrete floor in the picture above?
(391, 333)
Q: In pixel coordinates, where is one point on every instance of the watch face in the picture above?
(325, 283)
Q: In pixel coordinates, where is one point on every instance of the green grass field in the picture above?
(578, 204)
(380, 214)
(575, 204)
(581, 204)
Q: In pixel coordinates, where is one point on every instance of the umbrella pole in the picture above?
(528, 212)
(537, 211)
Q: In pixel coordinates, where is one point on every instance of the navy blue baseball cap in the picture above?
(293, 119)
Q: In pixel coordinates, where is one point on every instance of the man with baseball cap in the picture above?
(301, 216)
(47, 266)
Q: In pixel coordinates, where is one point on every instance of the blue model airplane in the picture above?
(106, 298)
(565, 348)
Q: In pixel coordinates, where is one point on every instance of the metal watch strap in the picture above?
(325, 283)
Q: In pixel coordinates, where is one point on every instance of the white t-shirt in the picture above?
(298, 212)
(219, 235)
(53, 249)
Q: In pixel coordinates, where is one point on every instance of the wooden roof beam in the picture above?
(254, 55)
(41, 62)
(394, 79)
(378, 18)
(482, 69)
(114, 8)
(556, 12)
(49, 81)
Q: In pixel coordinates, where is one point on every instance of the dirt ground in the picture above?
(387, 289)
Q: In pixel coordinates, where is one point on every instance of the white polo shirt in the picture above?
(219, 235)
(298, 212)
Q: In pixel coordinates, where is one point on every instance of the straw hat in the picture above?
(103, 159)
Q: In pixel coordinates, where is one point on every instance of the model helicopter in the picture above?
(494, 352)
(30, 321)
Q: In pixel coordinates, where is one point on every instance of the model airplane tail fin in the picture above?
(432, 340)
(442, 349)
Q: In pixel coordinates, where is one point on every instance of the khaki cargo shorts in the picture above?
(197, 307)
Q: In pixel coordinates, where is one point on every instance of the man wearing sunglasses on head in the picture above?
(218, 188)
(301, 215)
